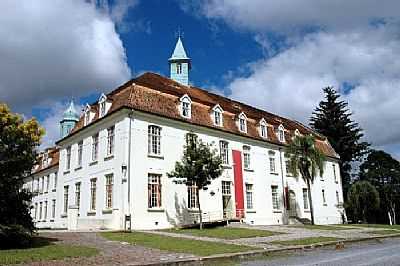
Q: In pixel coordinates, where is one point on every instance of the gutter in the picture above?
(129, 167)
(285, 219)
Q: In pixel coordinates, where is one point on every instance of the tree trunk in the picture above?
(394, 213)
(310, 201)
(200, 213)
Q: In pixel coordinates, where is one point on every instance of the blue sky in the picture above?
(275, 55)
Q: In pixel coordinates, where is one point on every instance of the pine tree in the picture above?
(332, 119)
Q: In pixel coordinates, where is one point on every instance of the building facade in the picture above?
(113, 165)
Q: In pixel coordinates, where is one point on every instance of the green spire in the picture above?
(70, 118)
(179, 52)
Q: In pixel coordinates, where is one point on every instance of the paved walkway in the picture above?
(111, 252)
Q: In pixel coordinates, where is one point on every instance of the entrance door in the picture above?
(227, 200)
(238, 179)
(292, 204)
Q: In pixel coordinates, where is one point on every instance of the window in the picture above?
(45, 210)
(47, 183)
(263, 130)
(223, 151)
(191, 139)
(78, 195)
(95, 147)
(337, 198)
(45, 159)
(40, 210)
(87, 114)
(42, 186)
(53, 208)
(288, 171)
(178, 68)
(246, 157)
(275, 197)
(80, 150)
(93, 194)
(186, 106)
(154, 191)
(102, 109)
(242, 123)
(36, 210)
(281, 133)
(305, 198)
(323, 197)
(110, 140)
(217, 115)
(65, 199)
(272, 166)
(68, 165)
(109, 191)
(55, 181)
(192, 197)
(226, 188)
(334, 173)
(249, 196)
(154, 141)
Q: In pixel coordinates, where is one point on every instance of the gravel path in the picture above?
(111, 253)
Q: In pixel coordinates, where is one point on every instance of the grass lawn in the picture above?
(385, 226)
(306, 241)
(224, 232)
(44, 251)
(323, 227)
(175, 244)
(384, 232)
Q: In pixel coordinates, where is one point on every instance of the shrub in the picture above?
(14, 236)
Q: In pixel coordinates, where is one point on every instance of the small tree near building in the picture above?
(305, 158)
(200, 164)
(362, 200)
(19, 140)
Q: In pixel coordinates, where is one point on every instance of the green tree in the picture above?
(200, 164)
(362, 200)
(305, 158)
(19, 140)
(332, 119)
(383, 172)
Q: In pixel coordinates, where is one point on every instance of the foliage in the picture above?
(14, 236)
(305, 158)
(175, 244)
(383, 172)
(332, 119)
(199, 165)
(18, 142)
(362, 201)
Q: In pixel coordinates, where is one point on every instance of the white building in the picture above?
(112, 165)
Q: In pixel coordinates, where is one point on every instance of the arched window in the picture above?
(102, 105)
(242, 123)
(186, 106)
(281, 133)
(263, 129)
(87, 114)
(217, 115)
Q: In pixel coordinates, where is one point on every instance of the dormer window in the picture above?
(281, 133)
(297, 132)
(102, 105)
(243, 123)
(217, 115)
(186, 106)
(45, 159)
(263, 129)
(87, 114)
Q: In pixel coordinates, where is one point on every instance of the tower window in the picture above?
(178, 68)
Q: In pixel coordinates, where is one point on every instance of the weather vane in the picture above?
(179, 33)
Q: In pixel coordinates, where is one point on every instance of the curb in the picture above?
(248, 254)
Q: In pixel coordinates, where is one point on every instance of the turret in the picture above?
(70, 118)
(179, 64)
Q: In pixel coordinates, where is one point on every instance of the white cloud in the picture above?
(57, 49)
(289, 15)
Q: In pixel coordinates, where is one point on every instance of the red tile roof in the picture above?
(54, 155)
(159, 95)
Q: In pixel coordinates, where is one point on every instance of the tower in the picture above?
(70, 118)
(179, 64)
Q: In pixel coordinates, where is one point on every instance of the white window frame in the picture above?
(186, 106)
(68, 158)
(93, 194)
(102, 105)
(242, 122)
(154, 140)
(109, 191)
(78, 194)
(275, 197)
(53, 208)
(249, 196)
(110, 140)
(87, 118)
(281, 133)
(263, 129)
(192, 192)
(55, 180)
(323, 197)
(178, 68)
(218, 111)
(306, 205)
(335, 178)
(272, 162)
(246, 157)
(95, 147)
(80, 153)
(66, 192)
(224, 151)
(154, 191)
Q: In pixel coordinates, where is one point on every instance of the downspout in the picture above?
(285, 220)
(129, 168)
